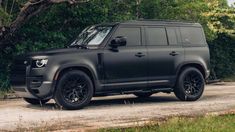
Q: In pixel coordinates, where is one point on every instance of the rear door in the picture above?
(126, 68)
(165, 53)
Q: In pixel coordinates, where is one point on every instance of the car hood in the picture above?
(56, 51)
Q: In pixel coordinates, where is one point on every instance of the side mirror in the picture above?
(118, 41)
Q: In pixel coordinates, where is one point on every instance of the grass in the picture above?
(7, 94)
(222, 123)
(2, 94)
(229, 79)
(225, 123)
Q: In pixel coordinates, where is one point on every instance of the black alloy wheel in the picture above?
(190, 85)
(74, 90)
(193, 83)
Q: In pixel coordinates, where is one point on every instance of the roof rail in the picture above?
(165, 20)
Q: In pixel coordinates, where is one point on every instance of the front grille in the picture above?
(18, 72)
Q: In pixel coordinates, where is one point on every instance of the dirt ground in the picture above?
(114, 111)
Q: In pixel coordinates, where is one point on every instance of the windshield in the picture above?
(92, 36)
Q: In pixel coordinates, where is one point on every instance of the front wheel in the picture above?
(74, 90)
(36, 101)
(190, 85)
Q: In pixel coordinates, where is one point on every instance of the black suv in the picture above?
(135, 57)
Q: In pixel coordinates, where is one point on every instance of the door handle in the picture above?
(139, 54)
(173, 53)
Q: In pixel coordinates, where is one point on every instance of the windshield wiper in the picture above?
(82, 46)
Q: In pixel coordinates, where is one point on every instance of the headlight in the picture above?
(39, 63)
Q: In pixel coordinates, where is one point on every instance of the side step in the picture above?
(157, 90)
(164, 90)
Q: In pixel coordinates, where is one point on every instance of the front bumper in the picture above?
(41, 91)
(34, 87)
(29, 82)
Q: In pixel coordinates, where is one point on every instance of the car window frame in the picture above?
(147, 39)
(128, 26)
(178, 36)
(190, 44)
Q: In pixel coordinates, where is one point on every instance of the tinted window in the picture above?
(192, 35)
(132, 34)
(156, 36)
(172, 35)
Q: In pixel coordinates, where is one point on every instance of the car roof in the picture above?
(147, 22)
(160, 22)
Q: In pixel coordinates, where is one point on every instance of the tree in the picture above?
(61, 23)
(29, 9)
(220, 20)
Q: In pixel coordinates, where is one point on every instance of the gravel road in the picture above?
(115, 111)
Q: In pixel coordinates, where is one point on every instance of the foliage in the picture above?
(8, 11)
(222, 56)
(221, 20)
(4, 17)
(61, 23)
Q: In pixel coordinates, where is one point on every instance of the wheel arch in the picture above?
(60, 72)
(197, 65)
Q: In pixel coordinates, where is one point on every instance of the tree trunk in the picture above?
(30, 9)
(138, 9)
(1, 23)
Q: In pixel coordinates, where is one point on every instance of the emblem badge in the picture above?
(25, 62)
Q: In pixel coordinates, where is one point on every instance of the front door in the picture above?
(126, 67)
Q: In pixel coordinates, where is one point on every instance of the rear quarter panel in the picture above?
(199, 55)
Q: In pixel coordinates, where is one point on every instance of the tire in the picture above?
(74, 90)
(190, 85)
(36, 101)
(143, 95)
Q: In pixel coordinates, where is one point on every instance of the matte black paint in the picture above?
(128, 69)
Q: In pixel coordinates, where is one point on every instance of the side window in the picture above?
(156, 36)
(132, 34)
(172, 35)
(192, 35)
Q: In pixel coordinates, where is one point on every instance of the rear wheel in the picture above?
(190, 85)
(143, 95)
(74, 90)
(36, 101)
